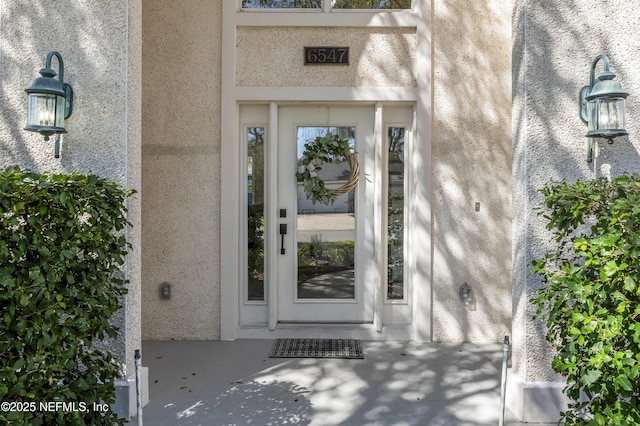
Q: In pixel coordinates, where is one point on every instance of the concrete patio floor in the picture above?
(398, 383)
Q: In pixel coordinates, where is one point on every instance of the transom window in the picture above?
(320, 4)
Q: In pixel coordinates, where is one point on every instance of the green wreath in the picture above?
(326, 149)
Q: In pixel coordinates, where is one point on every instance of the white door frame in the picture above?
(383, 318)
(419, 211)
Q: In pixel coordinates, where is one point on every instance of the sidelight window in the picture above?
(395, 213)
(255, 213)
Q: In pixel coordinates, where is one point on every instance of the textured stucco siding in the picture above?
(379, 57)
(471, 169)
(181, 168)
(554, 43)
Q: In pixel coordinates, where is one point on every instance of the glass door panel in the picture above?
(326, 231)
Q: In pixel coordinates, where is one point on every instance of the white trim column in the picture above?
(379, 293)
(271, 218)
(230, 212)
(420, 217)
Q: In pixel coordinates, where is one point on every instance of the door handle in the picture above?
(283, 232)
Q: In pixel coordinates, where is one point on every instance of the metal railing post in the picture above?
(138, 391)
(503, 387)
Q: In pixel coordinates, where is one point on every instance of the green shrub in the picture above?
(591, 294)
(62, 246)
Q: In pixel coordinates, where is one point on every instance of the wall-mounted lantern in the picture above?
(602, 105)
(49, 102)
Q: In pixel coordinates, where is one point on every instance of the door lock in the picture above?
(283, 232)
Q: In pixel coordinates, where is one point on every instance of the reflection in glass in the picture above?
(282, 4)
(326, 232)
(255, 213)
(317, 4)
(372, 4)
(395, 214)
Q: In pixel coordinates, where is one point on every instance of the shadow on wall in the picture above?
(554, 44)
(471, 170)
(13, 150)
(478, 158)
(29, 31)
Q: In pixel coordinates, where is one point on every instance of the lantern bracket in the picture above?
(584, 92)
(47, 71)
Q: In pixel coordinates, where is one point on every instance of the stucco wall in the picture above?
(554, 43)
(471, 148)
(180, 167)
(103, 132)
(379, 57)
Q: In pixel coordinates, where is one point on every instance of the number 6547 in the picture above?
(326, 55)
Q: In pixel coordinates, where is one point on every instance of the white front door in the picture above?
(326, 260)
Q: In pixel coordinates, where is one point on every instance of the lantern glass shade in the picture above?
(45, 113)
(607, 117)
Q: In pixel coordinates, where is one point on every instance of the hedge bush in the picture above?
(590, 296)
(62, 247)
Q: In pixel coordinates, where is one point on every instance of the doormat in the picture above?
(317, 348)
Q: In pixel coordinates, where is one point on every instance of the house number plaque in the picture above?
(326, 55)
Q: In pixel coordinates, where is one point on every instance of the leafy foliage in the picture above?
(591, 294)
(61, 249)
(317, 4)
(372, 4)
(324, 149)
(276, 4)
